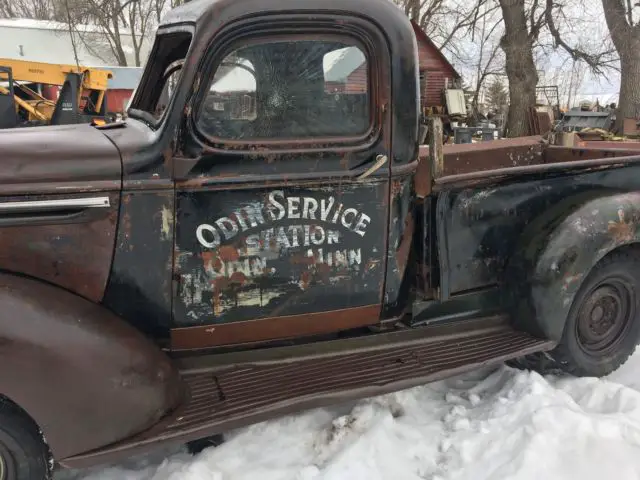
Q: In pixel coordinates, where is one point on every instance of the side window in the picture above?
(288, 89)
(160, 78)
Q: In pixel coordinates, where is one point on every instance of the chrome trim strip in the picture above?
(90, 202)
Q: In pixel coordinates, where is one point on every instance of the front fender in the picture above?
(558, 250)
(85, 376)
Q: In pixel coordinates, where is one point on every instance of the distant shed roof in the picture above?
(50, 42)
(339, 68)
(34, 24)
(124, 78)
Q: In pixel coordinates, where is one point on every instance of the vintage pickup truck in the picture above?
(273, 238)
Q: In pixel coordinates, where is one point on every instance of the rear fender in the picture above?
(558, 250)
(86, 377)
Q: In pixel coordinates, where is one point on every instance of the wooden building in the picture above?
(436, 74)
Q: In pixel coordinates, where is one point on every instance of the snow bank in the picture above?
(490, 425)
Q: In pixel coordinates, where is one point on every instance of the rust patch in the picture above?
(228, 253)
(273, 328)
(475, 157)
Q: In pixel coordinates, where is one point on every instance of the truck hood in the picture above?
(57, 159)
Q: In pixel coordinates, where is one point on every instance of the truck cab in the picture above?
(280, 174)
(264, 234)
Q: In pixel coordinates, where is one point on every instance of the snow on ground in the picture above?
(496, 424)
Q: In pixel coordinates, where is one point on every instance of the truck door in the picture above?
(282, 186)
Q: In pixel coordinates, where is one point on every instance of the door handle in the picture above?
(380, 161)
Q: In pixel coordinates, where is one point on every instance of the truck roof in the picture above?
(388, 26)
(223, 11)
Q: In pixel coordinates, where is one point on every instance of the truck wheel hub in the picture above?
(605, 316)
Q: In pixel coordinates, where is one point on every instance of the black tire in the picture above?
(196, 446)
(23, 452)
(603, 325)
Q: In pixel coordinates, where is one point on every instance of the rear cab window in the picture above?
(288, 88)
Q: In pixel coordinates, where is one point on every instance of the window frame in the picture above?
(216, 56)
(144, 90)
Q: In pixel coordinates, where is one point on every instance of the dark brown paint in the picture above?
(87, 378)
(57, 160)
(265, 329)
(75, 255)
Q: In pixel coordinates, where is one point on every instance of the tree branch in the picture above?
(594, 61)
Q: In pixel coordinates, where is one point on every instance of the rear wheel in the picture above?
(23, 452)
(602, 328)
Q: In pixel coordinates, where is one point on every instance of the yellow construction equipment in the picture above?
(82, 97)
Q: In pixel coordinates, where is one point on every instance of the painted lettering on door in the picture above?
(252, 259)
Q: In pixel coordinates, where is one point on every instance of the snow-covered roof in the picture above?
(34, 24)
(237, 79)
(339, 64)
(50, 42)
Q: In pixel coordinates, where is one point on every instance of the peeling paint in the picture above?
(167, 221)
(253, 254)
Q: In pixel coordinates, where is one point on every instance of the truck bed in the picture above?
(461, 159)
(232, 392)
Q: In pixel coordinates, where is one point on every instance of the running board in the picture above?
(226, 397)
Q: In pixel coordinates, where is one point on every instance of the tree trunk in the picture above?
(629, 100)
(521, 69)
(626, 39)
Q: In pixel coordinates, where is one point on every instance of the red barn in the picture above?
(436, 74)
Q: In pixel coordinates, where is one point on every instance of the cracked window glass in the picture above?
(288, 89)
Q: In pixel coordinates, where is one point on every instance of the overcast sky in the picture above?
(582, 25)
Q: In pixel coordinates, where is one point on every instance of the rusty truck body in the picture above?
(260, 243)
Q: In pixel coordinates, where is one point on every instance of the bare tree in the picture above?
(444, 20)
(497, 95)
(97, 22)
(599, 59)
(71, 33)
(575, 82)
(624, 27)
(541, 26)
(489, 62)
(521, 30)
(38, 9)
